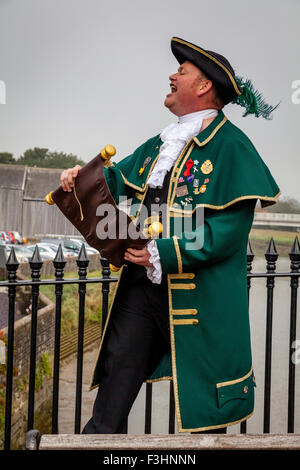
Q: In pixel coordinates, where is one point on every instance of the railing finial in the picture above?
(12, 263)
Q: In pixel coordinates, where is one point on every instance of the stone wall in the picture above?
(44, 345)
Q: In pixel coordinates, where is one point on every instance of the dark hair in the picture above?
(216, 99)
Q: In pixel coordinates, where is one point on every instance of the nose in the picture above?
(173, 76)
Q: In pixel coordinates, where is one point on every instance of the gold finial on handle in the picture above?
(108, 152)
(114, 268)
(49, 199)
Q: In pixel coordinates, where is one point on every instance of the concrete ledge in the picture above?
(170, 442)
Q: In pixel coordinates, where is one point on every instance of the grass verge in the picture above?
(93, 301)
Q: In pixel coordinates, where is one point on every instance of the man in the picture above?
(180, 309)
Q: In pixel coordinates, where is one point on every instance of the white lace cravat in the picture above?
(174, 138)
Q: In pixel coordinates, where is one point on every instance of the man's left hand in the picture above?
(140, 257)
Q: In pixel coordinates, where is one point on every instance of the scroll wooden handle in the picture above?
(108, 152)
(49, 199)
(105, 154)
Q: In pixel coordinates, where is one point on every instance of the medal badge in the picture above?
(207, 167)
(189, 165)
(146, 163)
(181, 191)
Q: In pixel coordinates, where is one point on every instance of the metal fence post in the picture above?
(59, 265)
(271, 256)
(12, 267)
(82, 263)
(35, 265)
(295, 262)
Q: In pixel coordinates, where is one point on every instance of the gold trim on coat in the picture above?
(231, 382)
(173, 182)
(188, 321)
(218, 426)
(182, 276)
(139, 196)
(177, 214)
(211, 135)
(178, 254)
(184, 311)
(173, 357)
(149, 381)
(144, 185)
(241, 198)
(131, 185)
(183, 286)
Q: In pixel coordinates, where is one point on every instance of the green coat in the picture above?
(210, 363)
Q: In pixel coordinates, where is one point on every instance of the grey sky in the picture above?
(83, 73)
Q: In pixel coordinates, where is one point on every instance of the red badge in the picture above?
(206, 180)
(189, 165)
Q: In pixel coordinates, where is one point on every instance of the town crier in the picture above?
(180, 308)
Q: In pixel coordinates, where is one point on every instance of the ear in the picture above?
(204, 87)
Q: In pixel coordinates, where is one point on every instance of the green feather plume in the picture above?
(252, 100)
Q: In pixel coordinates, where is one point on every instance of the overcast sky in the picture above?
(83, 73)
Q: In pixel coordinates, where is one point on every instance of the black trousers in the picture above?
(137, 337)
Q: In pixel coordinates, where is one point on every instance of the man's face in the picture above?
(185, 86)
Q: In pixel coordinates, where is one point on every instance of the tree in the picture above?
(287, 205)
(42, 158)
(34, 157)
(7, 158)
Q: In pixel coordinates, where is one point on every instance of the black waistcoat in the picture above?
(157, 196)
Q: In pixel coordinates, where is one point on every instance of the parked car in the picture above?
(22, 252)
(72, 245)
(19, 239)
(5, 237)
(11, 237)
(49, 249)
(88, 248)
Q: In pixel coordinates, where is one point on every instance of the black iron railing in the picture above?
(12, 283)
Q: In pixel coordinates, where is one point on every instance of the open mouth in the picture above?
(173, 88)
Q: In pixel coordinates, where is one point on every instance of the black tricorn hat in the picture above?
(230, 87)
(213, 65)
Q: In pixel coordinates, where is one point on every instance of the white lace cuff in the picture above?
(154, 272)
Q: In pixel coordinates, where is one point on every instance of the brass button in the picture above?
(245, 390)
(155, 228)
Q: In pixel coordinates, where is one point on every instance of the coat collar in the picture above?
(210, 131)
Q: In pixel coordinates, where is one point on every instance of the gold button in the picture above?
(245, 390)
(155, 228)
